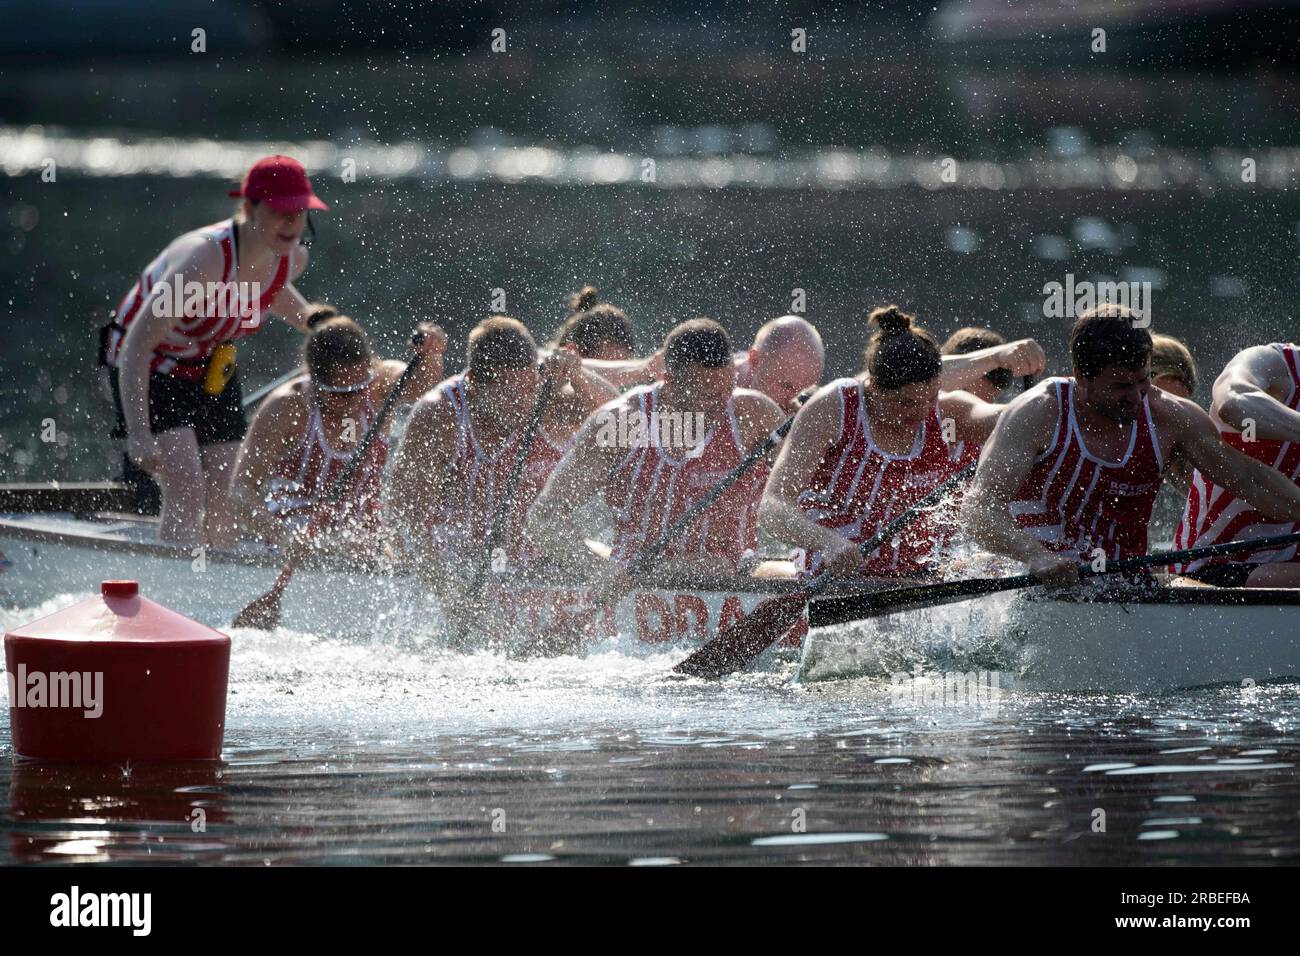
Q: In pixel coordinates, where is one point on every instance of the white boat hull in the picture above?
(60, 554)
(1179, 638)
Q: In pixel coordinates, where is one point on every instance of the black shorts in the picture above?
(1231, 574)
(176, 403)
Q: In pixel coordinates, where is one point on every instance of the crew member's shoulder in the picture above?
(1039, 407)
(286, 406)
(197, 254)
(293, 389)
(436, 403)
(751, 401)
(1170, 410)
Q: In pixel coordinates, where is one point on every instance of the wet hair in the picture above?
(583, 299)
(697, 342)
(1105, 337)
(974, 339)
(318, 312)
(1171, 357)
(594, 324)
(334, 344)
(499, 342)
(900, 352)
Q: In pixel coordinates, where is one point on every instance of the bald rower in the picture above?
(786, 359)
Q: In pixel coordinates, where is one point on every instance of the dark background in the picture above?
(753, 196)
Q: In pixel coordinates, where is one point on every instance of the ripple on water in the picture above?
(818, 839)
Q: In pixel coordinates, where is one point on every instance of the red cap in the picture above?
(281, 183)
(119, 588)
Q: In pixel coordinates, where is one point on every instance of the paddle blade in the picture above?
(735, 646)
(264, 612)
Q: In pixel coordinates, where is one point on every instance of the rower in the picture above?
(302, 438)
(460, 447)
(975, 369)
(989, 387)
(865, 449)
(1073, 467)
(786, 358)
(1256, 408)
(1172, 367)
(171, 362)
(599, 331)
(652, 454)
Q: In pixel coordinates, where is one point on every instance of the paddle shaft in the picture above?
(839, 610)
(647, 557)
(933, 497)
(512, 483)
(734, 647)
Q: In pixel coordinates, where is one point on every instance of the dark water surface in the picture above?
(339, 752)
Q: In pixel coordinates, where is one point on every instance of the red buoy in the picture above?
(117, 677)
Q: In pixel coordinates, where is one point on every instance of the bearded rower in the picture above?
(454, 464)
(171, 364)
(1074, 465)
(1257, 411)
(302, 437)
(652, 454)
(863, 450)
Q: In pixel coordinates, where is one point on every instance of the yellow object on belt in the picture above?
(221, 369)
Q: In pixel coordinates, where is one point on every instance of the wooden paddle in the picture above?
(645, 560)
(854, 607)
(733, 647)
(264, 612)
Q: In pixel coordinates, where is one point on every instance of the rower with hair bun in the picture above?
(599, 331)
(863, 450)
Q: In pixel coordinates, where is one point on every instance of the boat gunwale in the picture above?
(1187, 594)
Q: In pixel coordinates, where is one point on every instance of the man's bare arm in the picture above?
(1252, 389)
(627, 373)
(974, 418)
(1022, 357)
(270, 438)
(420, 468)
(577, 479)
(1024, 430)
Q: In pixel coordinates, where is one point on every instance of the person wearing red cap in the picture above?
(169, 348)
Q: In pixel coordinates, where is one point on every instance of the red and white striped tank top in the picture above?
(1074, 501)
(301, 479)
(476, 483)
(651, 487)
(184, 352)
(858, 488)
(1214, 515)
